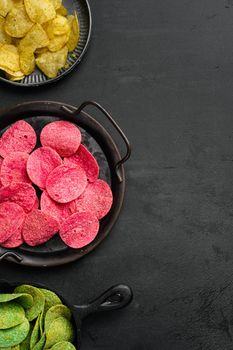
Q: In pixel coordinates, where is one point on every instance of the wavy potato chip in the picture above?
(4, 37)
(15, 335)
(38, 300)
(40, 11)
(60, 329)
(12, 314)
(74, 33)
(25, 345)
(27, 61)
(17, 22)
(51, 62)
(9, 58)
(55, 312)
(5, 7)
(62, 10)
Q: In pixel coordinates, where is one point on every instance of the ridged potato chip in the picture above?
(40, 11)
(5, 7)
(51, 62)
(9, 58)
(74, 33)
(17, 22)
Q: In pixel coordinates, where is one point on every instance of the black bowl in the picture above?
(38, 78)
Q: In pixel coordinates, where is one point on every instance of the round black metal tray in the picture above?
(37, 78)
(100, 143)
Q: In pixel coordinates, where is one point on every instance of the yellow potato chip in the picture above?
(18, 2)
(62, 11)
(40, 11)
(4, 37)
(15, 76)
(27, 61)
(34, 39)
(17, 22)
(74, 33)
(58, 42)
(41, 50)
(5, 7)
(51, 62)
(15, 41)
(9, 58)
(57, 4)
(58, 26)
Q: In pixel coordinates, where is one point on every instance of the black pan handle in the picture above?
(114, 298)
(116, 126)
(7, 253)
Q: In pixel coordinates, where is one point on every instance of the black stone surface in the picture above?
(165, 70)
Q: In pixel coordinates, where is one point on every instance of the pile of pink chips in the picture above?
(73, 198)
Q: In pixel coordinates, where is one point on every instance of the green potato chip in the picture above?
(38, 300)
(12, 314)
(16, 347)
(55, 312)
(24, 299)
(25, 345)
(42, 322)
(35, 336)
(63, 345)
(15, 335)
(40, 344)
(51, 299)
(60, 329)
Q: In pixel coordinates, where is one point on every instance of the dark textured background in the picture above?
(165, 70)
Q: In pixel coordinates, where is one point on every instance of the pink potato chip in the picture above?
(13, 168)
(64, 184)
(1, 160)
(40, 164)
(15, 240)
(11, 218)
(38, 228)
(36, 204)
(19, 137)
(97, 199)
(60, 211)
(20, 193)
(85, 160)
(64, 137)
(79, 229)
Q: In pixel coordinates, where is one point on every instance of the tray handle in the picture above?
(114, 298)
(13, 255)
(116, 126)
